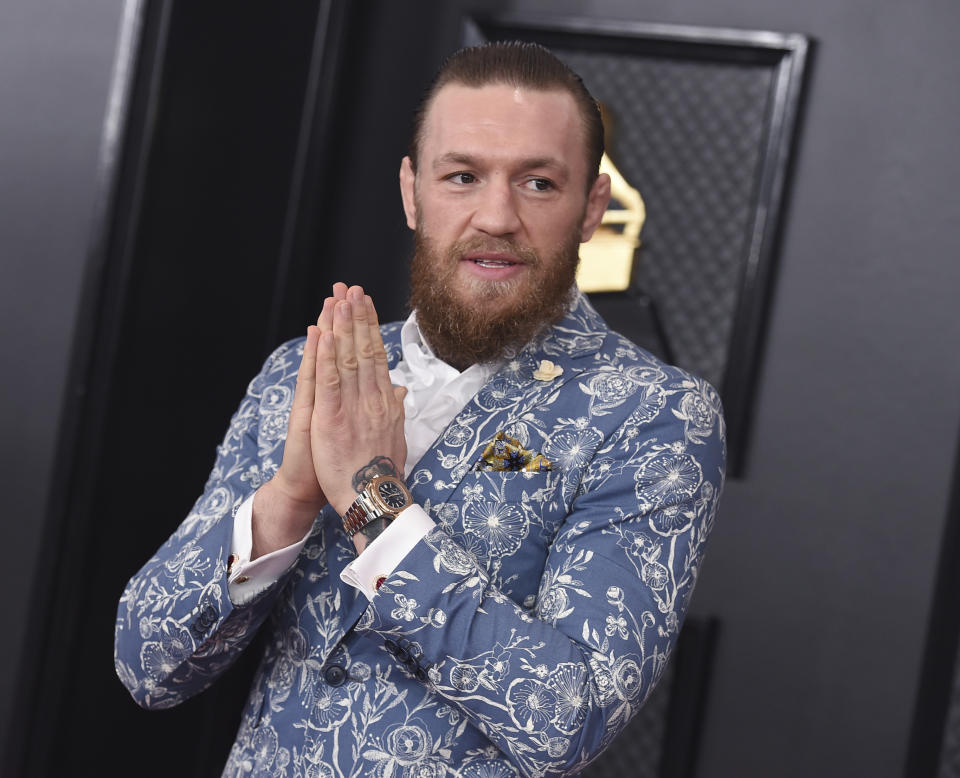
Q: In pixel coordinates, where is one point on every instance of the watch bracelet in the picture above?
(357, 517)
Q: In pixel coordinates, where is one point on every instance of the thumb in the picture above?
(399, 392)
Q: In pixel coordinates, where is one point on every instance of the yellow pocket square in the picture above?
(504, 453)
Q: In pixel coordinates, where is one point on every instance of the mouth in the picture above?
(492, 260)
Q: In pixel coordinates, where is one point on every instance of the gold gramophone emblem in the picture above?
(606, 260)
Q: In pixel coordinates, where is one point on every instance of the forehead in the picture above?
(499, 119)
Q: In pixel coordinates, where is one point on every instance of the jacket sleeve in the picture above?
(176, 628)
(554, 683)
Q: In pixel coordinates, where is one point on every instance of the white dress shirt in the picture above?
(435, 394)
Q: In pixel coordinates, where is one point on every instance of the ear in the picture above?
(408, 181)
(598, 198)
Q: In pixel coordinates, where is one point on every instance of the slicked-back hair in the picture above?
(516, 64)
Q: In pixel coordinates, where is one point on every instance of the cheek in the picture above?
(549, 228)
(441, 218)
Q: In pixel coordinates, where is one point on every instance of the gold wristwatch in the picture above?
(384, 497)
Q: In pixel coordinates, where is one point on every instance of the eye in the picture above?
(462, 178)
(539, 184)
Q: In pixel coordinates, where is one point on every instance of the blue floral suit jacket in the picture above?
(518, 637)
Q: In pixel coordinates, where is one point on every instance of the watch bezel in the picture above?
(373, 489)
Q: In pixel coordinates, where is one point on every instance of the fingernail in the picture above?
(343, 308)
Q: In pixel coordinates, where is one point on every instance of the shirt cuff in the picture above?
(381, 557)
(246, 579)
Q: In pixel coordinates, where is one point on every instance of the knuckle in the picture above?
(375, 407)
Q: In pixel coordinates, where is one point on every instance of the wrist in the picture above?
(280, 520)
(342, 500)
(292, 495)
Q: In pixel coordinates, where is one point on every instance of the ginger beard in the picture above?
(469, 320)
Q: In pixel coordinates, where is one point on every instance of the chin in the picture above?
(490, 294)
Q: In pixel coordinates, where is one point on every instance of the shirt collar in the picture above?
(428, 367)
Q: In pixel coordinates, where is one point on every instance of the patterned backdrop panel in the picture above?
(702, 122)
(689, 135)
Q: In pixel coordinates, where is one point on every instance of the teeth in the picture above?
(492, 263)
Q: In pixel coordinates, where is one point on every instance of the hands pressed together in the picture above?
(346, 423)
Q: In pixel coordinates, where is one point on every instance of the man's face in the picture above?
(500, 204)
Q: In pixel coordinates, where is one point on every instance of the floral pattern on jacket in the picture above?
(519, 636)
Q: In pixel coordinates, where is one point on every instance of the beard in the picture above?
(467, 320)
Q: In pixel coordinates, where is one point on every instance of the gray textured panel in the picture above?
(689, 135)
(638, 749)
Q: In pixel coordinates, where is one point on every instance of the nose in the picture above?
(496, 210)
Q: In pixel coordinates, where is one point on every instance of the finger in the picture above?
(307, 374)
(325, 320)
(381, 366)
(327, 381)
(346, 360)
(355, 294)
(366, 363)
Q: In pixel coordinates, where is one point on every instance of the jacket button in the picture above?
(335, 675)
(390, 646)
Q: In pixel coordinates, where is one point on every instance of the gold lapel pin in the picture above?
(547, 371)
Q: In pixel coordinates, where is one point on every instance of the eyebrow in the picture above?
(460, 158)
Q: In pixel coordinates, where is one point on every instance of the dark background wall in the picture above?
(55, 63)
(823, 566)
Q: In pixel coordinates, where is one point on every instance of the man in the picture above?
(474, 536)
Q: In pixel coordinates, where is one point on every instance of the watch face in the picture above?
(392, 494)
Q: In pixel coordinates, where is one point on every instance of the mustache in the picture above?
(483, 244)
